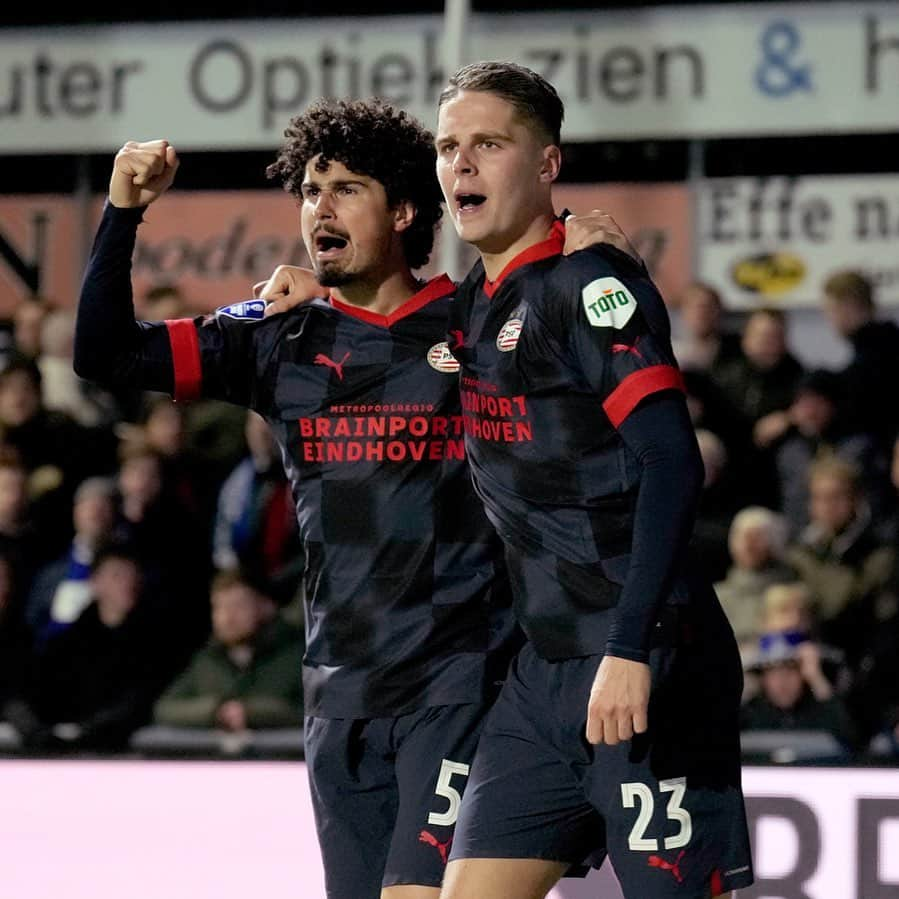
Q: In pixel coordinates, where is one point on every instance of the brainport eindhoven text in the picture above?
(397, 438)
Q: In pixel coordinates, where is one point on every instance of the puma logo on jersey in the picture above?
(628, 348)
(322, 359)
(655, 861)
(443, 848)
(608, 303)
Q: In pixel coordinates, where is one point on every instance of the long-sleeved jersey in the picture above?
(579, 442)
(407, 603)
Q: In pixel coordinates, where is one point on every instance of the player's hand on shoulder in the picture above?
(142, 172)
(619, 701)
(582, 231)
(288, 286)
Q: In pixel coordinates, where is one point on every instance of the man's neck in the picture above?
(383, 298)
(537, 231)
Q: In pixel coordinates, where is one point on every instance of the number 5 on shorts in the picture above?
(632, 792)
(445, 789)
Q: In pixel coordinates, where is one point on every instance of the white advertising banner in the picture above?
(182, 830)
(774, 241)
(645, 72)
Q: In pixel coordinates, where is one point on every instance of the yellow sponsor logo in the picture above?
(770, 274)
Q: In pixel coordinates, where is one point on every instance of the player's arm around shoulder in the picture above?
(600, 279)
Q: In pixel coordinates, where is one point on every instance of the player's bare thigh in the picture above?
(507, 878)
(407, 891)
(500, 878)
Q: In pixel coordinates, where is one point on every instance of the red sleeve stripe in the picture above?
(637, 386)
(185, 358)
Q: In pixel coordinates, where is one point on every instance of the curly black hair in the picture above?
(373, 138)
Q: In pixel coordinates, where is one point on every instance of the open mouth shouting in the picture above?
(468, 204)
(329, 245)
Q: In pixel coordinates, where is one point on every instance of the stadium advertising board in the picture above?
(774, 241)
(232, 830)
(645, 72)
(215, 245)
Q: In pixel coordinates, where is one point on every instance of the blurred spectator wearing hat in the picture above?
(788, 608)
(788, 682)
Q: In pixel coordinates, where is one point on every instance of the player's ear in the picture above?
(552, 163)
(403, 215)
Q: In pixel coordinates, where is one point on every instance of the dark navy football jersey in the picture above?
(407, 603)
(556, 353)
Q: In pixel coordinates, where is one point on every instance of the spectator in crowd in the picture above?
(256, 525)
(811, 430)
(163, 430)
(873, 371)
(61, 589)
(838, 556)
(15, 643)
(703, 344)
(173, 549)
(787, 700)
(28, 321)
(19, 540)
(248, 676)
(788, 608)
(757, 544)
(58, 453)
(750, 476)
(763, 377)
(96, 682)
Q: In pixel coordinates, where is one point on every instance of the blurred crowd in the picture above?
(150, 567)
(149, 559)
(799, 517)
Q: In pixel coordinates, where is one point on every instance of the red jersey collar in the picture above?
(440, 286)
(552, 246)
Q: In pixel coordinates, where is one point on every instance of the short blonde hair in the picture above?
(850, 287)
(781, 597)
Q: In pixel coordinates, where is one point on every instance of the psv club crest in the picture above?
(441, 359)
(507, 339)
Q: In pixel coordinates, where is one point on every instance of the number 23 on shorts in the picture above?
(636, 793)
